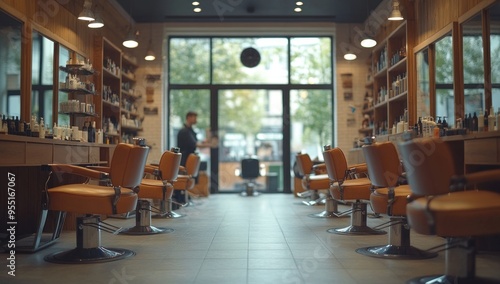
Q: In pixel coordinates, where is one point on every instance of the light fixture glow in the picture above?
(396, 13)
(97, 22)
(150, 55)
(195, 3)
(197, 10)
(86, 14)
(298, 10)
(368, 42)
(299, 3)
(350, 56)
(130, 41)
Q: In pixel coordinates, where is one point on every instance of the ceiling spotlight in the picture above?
(197, 10)
(130, 41)
(86, 14)
(396, 13)
(195, 3)
(298, 10)
(299, 3)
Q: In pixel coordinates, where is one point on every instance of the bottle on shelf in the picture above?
(91, 132)
(474, 123)
(498, 119)
(480, 121)
(491, 119)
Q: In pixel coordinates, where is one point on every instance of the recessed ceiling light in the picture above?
(298, 10)
(299, 3)
(195, 3)
(197, 10)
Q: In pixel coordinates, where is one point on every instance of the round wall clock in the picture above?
(250, 57)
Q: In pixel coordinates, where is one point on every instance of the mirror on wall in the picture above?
(445, 96)
(473, 65)
(42, 78)
(10, 65)
(494, 16)
(423, 83)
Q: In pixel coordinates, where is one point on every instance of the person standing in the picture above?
(187, 143)
(186, 138)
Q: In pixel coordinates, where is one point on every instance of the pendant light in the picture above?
(97, 23)
(150, 55)
(368, 41)
(396, 13)
(86, 14)
(130, 41)
(349, 55)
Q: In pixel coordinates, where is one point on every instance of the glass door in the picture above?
(250, 123)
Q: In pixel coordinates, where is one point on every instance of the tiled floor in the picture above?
(233, 239)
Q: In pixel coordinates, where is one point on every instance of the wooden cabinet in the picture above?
(78, 84)
(131, 122)
(389, 85)
(118, 100)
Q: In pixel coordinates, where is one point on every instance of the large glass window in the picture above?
(445, 98)
(271, 61)
(254, 93)
(311, 60)
(10, 66)
(495, 59)
(473, 65)
(189, 61)
(42, 78)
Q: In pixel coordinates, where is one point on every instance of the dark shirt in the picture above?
(186, 141)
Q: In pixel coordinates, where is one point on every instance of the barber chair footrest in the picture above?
(168, 215)
(145, 230)
(443, 279)
(395, 252)
(88, 255)
(356, 230)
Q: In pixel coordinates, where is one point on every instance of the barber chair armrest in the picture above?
(357, 170)
(151, 169)
(100, 168)
(182, 170)
(462, 182)
(77, 170)
(319, 169)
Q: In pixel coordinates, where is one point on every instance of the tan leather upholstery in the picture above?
(385, 171)
(342, 187)
(457, 214)
(166, 172)
(311, 179)
(186, 181)
(126, 170)
(380, 198)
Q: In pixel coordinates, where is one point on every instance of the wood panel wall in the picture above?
(432, 15)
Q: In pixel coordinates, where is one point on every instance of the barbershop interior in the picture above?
(250, 141)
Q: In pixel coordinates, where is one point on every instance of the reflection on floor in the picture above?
(228, 238)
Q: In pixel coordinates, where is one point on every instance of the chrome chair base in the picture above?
(358, 222)
(444, 279)
(145, 230)
(143, 221)
(167, 215)
(324, 214)
(395, 252)
(356, 230)
(88, 255)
